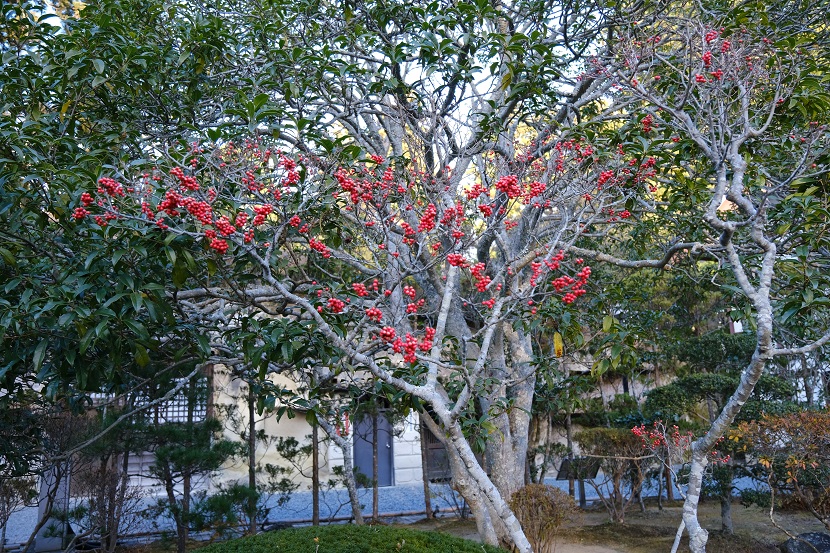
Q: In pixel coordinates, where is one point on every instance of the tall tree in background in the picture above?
(744, 87)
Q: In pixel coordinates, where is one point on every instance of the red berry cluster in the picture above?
(292, 177)
(509, 184)
(456, 260)
(414, 307)
(171, 201)
(262, 211)
(476, 191)
(410, 345)
(374, 314)
(224, 226)
(219, 245)
(534, 189)
(536, 267)
(647, 122)
(186, 181)
(482, 280)
(336, 305)
(199, 209)
(407, 346)
(318, 246)
(427, 222)
(604, 177)
(109, 186)
(575, 285)
(387, 334)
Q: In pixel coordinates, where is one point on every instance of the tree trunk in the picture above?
(425, 472)
(122, 495)
(698, 536)
(669, 482)
(315, 475)
(187, 480)
(807, 377)
(111, 485)
(176, 511)
(493, 515)
(726, 515)
(375, 482)
(345, 444)
(569, 436)
(252, 498)
(660, 486)
(507, 449)
(463, 483)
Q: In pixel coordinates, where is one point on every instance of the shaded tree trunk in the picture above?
(425, 470)
(345, 444)
(315, 475)
(726, 515)
(252, 498)
(375, 482)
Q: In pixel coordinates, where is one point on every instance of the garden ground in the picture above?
(653, 531)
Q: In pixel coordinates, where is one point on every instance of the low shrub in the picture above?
(348, 538)
(541, 510)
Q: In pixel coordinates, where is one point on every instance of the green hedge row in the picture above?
(348, 538)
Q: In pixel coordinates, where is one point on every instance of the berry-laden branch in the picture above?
(377, 225)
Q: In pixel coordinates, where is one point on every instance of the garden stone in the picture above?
(819, 541)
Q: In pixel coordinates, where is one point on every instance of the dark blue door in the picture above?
(363, 449)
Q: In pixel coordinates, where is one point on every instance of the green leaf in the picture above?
(142, 358)
(116, 257)
(7, 256)
(40, 353)
(137, 299)
(137, 328)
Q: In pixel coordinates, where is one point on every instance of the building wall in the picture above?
(230, 392)
(406, 447)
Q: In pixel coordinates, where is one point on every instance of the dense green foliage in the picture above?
(350, 539)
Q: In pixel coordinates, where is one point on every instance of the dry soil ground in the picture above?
(653, 531)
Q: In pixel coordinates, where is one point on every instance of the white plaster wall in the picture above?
(407, 453)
